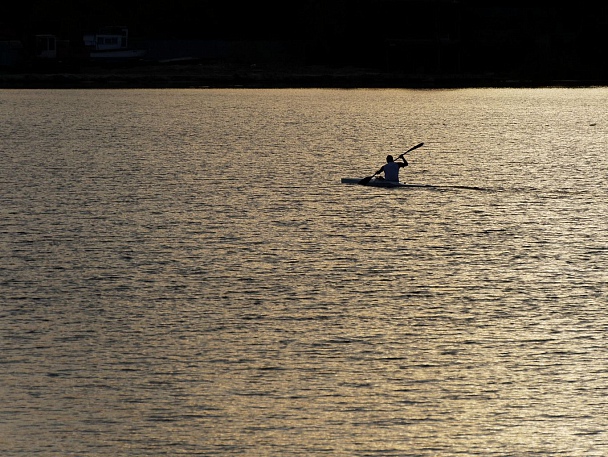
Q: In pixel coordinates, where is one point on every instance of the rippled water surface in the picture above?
(182, 273)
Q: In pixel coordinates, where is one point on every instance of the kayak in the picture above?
(379, 182)
(375, 182)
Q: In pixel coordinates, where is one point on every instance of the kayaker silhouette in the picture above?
(391, 169)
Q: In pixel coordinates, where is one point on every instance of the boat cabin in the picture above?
(49, 48)
(108, 39)
(46, 46)
(111, 44)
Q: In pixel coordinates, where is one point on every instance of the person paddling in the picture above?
(391, 169)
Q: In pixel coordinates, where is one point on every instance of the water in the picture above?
(183, 273)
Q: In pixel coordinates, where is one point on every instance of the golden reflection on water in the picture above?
(189, 275)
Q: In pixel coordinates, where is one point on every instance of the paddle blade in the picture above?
(365, 180)
(415, 147)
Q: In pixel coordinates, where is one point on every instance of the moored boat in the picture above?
(111, 44)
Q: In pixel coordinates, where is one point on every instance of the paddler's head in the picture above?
(389, 159)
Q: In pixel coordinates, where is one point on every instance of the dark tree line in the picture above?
(526, 37)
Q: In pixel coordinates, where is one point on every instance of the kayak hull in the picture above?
(375, 182)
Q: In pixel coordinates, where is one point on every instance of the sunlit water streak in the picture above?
(183, 273)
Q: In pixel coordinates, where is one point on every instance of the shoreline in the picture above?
(241, 76)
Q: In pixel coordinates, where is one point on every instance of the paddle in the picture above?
(367, 179)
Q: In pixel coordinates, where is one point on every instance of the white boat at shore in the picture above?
(111, 44)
